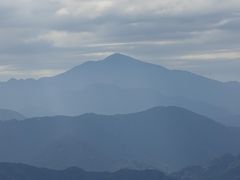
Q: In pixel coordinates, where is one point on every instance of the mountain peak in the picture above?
(117, 57)
(116, 60)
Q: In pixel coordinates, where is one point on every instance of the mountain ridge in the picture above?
(139, 85)
(165, 137)
(12, 171)
(118, 57)
(226, 167)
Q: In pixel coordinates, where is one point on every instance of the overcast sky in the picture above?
(45, 37)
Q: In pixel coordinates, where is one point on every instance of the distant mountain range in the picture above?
(10, 171)
(226, 167)
(6, 114)
(121, 84)
(168, 138)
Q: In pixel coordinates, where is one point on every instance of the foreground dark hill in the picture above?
(120, 84)
(226, 167)
(10, 171)
(164, 137)
(6, 114)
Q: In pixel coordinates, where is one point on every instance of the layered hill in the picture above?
(226, 167)
(168, 138)
(10, 171)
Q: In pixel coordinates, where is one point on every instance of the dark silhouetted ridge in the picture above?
(11, 171)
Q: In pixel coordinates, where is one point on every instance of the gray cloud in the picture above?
(52, 35)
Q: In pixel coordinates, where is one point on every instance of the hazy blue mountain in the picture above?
(226, 167)
(168, 138)
(127, 72)
(6, 114)
(120, 84)
(10, 171)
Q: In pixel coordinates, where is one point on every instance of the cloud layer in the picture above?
(45, 37)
